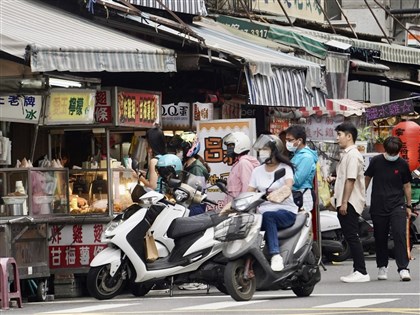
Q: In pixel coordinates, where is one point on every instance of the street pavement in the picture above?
(329, 297)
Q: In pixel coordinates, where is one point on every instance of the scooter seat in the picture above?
(295, 228)
(189, 225)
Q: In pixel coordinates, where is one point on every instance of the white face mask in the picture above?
(264, 155)
(290, 147)
(391, 158)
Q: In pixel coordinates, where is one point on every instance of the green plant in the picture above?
(364, 134)
(379, 139)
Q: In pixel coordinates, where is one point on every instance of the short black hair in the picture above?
(393, 145)
(297, 132)
(348, 128)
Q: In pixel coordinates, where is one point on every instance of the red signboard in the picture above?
(138, 108)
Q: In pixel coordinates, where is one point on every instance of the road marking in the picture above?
(88, 308)
(356, 303)
(217, 305)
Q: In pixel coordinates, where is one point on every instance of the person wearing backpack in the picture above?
(304, 159)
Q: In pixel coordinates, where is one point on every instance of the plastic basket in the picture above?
(235, 228)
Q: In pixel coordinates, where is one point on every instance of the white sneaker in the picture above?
(405, 275)
(383, 273)
(277, 263)
(356, 277)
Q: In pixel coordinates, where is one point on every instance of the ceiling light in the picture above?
(64, 83)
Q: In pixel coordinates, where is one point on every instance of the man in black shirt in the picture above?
(391, 183)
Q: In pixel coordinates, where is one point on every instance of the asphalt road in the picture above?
(329, 297)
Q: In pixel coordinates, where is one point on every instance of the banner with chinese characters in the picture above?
(394, 108)
(74, 246)
(176, 116)
(20, 108)
(211, 134)
(138, 108)
(202, 112)
(319, 128)
(103, 108)
(70, 106)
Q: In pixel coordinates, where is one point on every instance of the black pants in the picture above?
(350, 227)
(397, 221)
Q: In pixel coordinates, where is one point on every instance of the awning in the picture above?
(55, 40)
(268, 72)
(333, 107)
(284, 35)
(194, 7)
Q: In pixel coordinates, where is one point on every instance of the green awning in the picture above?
(287, 36)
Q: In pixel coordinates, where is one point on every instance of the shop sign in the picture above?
(277, 125)
(138, 108)
(70, 106)
(210, 134)
(74, 246)
(413, 38)
(202, 112)
(20, 108)
(390, 109)
(103, 109)
(322, 128)
(176, 116)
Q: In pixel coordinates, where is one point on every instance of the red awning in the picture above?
(333, 107)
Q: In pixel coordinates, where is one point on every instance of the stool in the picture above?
(5, 295)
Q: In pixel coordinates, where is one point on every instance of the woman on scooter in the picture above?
(276, 216)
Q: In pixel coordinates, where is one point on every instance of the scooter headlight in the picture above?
(111, 226)
(180, 195)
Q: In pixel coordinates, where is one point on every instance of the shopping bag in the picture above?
(150, 246)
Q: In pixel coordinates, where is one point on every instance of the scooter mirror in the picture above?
(221, 184)
(279, 174)
(174, 183)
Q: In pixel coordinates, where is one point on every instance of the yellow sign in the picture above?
(70, 106)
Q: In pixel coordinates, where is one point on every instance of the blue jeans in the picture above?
(272, 222)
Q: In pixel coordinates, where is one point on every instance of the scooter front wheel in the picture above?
(239, 287)
(101, 285)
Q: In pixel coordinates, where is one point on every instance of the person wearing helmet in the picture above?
(304, 159)
(156, 147)
(238, 146)
(168, 166)
(276, 216)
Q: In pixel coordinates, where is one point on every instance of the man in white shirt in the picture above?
(349, 197)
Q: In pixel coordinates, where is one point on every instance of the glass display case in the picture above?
(91, 192)
(34, 191)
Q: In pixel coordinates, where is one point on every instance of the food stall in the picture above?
(100, 131)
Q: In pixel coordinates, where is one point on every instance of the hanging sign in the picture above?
(319, 128)
(20, 108)
(390, 109)
(176, 116)
(201, 112)
(138, 108)
(103, 109)
(70, 106)
(211, 134)
(409, 133)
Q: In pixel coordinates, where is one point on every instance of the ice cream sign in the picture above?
(20, 108)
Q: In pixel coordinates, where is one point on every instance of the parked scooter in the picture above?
(195, 256)
(334, 247)
(249, 268)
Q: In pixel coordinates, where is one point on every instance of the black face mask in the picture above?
(230, 152)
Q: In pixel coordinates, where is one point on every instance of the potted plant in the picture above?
(379, 144)
(363, 136)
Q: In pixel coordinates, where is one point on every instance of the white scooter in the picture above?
(249, 268)
(186, 246)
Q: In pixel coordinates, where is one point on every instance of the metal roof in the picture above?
(194, 7)
(56, 40)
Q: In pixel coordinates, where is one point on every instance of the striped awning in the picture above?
(193, 7)
(333, 107)
(55, 40)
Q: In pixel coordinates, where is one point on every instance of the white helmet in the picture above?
(240, 140)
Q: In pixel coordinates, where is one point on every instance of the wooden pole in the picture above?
(285, 13)
(326, 16)
(377, 22)
(347, 20)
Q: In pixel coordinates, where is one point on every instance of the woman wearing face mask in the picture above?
(276, 216)
(238, 146)
(390, 205)
(304, 159)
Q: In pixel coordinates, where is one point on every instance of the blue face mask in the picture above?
(391, 158)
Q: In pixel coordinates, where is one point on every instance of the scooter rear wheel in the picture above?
(239, 287)
(101, 285)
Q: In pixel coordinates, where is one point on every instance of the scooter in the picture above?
(334, 247)
(249, 268)
(194, 257)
